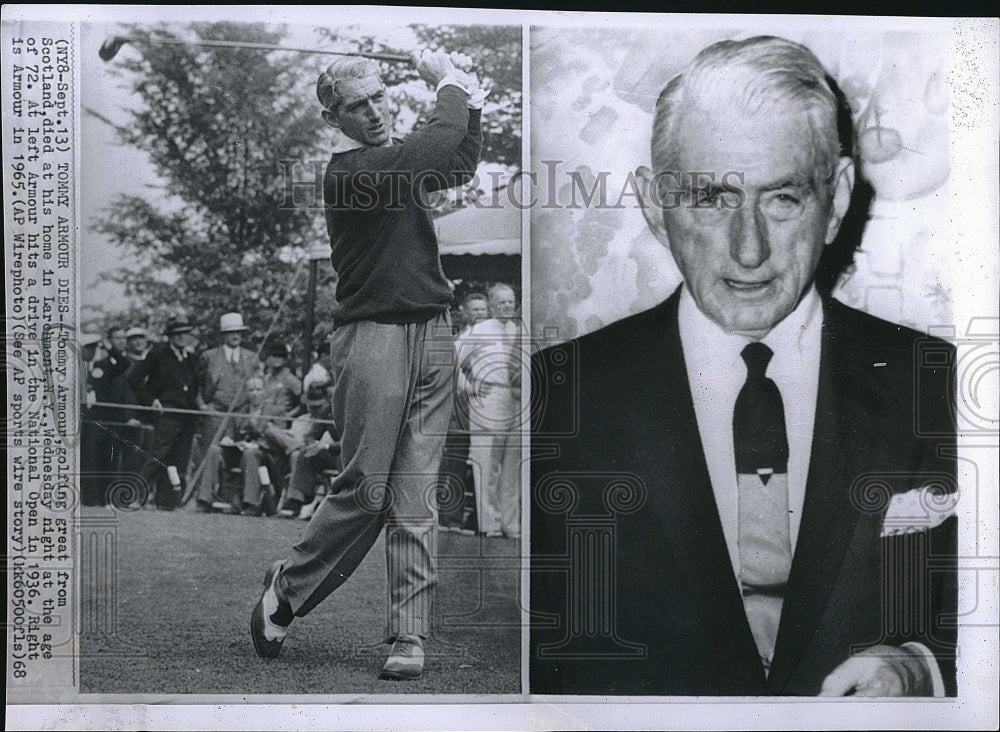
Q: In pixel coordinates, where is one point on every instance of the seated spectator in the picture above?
(318, 372)
(318, 451)
(255, 440)
(283, 388)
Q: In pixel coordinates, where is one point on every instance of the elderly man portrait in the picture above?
(392, 351)
(723, 493)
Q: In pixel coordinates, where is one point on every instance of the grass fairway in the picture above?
(166, 601)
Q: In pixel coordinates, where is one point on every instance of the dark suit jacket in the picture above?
(161, 376)
(108, 380)
(632, 591)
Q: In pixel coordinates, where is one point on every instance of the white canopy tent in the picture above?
(476, 231)
(481, 243)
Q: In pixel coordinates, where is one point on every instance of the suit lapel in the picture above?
(828, 515)
(682, 499)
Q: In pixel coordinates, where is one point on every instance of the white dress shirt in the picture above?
(716, 373)
(488, 352)
(180, 353)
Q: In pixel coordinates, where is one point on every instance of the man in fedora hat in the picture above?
(226, 369)
(168, 378)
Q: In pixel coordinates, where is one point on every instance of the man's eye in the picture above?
(782, 206)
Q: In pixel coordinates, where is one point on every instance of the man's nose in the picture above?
(373, 111)
(748, 241)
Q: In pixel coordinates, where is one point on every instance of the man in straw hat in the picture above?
(227, 366)
(393, 351)
(168, 379)
(225, 370)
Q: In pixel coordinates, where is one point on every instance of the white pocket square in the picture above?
(916, 510)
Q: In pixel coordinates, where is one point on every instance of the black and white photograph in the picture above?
(429, 368)
(746, 280)
(284, 230)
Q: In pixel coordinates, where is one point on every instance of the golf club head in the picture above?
(111, 47)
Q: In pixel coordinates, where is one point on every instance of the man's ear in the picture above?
(331, 119)
(843, 185)
(652, 208)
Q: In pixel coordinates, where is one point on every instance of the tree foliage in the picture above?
(211, 234)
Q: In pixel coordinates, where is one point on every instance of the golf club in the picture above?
(111, 47)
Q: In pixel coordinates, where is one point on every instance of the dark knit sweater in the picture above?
(385, 251)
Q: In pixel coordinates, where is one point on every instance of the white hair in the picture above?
(494, 291)
(748, 77)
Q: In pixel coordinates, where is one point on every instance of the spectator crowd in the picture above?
(244, 430)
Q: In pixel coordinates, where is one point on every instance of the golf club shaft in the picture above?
(397, 57)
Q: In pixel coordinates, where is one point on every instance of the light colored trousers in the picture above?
(392, 401)
(251, 458)
(495, 451)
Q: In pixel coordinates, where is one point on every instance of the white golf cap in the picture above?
(231, 323)
(132, 332)
(89, 339)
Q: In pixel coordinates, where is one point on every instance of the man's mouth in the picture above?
(749, 287)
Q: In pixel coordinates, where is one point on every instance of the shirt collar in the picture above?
(713, 349)
(342, 143)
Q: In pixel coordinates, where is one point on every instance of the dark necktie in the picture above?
(761, 448)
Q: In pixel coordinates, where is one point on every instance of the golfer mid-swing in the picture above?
(391, 351)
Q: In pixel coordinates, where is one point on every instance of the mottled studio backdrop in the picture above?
(592, 97)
